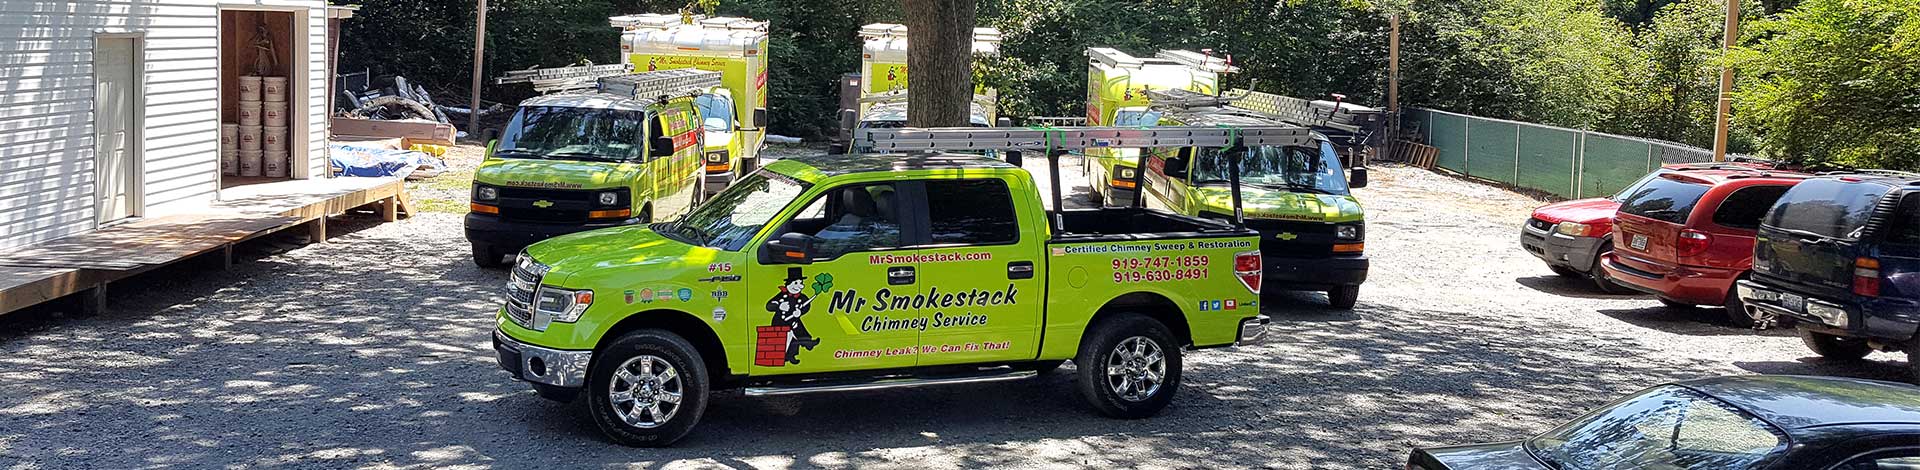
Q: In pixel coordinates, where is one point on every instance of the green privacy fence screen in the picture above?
(1565, 162)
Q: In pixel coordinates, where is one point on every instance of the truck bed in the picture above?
(1080, 225)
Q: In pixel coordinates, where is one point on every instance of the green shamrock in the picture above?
(822, 283)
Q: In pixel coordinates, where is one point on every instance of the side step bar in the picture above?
(878, 384)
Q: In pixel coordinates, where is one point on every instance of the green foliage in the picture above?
(1674, 89)
(1836, 81)
(1559, 62)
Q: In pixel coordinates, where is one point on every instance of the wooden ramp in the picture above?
(88, 261)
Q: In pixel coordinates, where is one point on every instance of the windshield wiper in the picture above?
(588, 155)
(1294, 187)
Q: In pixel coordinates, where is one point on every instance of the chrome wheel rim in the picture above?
(646, 391)
(1136, 368)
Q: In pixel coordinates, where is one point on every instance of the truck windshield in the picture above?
(1300, 169)
(569, 133)
(732, 217)
(716, 112)
(1665, 428)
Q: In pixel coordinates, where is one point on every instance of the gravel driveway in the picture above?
(372, 351)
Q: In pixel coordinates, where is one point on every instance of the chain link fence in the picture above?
(1565, 162)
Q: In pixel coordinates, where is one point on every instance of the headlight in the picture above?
(1571, 229)
(1125, 173)
(485, 193)
(1347, 232)
(716, 157)
(609, 198)
(559, 305)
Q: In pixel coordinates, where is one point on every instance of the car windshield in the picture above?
(569, 133)
(1285, 168)
(1663, 428)
(732, 217)
(1826, 207)
(716, 112)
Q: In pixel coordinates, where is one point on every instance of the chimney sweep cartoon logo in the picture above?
(779, 343)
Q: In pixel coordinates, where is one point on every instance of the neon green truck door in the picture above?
(982, 290)
(837, 313)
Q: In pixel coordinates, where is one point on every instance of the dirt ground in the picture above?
(372, 351)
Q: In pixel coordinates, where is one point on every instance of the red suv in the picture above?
(1687, 236)
(1570, 236)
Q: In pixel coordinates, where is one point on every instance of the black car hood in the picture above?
(1495, 456)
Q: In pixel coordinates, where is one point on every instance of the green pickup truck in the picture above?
(928, 268)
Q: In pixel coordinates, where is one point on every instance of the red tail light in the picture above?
(1246, 266)
(1866, 277)
(1692, 242)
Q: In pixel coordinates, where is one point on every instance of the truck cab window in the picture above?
(972, 212)
(850, 219)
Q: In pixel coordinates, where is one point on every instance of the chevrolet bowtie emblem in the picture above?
(1289, 236)
(543, 203)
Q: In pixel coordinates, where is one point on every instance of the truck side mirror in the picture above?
(491, 144)
(791, 247)
(1358, 178)
(760, 118)
(1175, 167)
(1013, 157)
(661, 147)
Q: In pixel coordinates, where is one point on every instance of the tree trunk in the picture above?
(939, 61)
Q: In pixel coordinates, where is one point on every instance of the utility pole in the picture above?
(1393, 81)
(479, 54)
(1726, 83)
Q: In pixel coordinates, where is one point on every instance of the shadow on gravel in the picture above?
(1691, 321)
(1580, 288)
(1880, 366)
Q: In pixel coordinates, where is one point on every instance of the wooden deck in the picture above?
(89, 261)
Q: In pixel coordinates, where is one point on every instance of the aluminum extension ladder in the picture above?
(616, 79)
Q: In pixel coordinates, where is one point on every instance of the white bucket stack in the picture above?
(259, 140)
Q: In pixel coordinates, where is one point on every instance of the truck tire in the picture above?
(1736, 310)
(486, 256)
(1835, 347)
(1343, 297)
(1119, 361)
(647, 389)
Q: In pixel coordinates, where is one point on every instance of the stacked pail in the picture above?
(274, 115)
(260, 137)
(229, 149)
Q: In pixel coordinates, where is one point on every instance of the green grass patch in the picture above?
(440, 205)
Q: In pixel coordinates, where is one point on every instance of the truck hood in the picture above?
(1282, 205)
(581, 259)
(556, 174)
(1580, 211)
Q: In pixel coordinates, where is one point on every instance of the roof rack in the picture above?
(1199, 60)
(1874, 172)
(1346, 117)
(1056, 141)
(614, 79)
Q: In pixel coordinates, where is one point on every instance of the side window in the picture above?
(1904, 226)
(848, 219)
(1902, 459)
(972, 212)
(654, 132)
(1746, 206)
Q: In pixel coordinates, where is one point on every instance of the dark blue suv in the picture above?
(1841, 254)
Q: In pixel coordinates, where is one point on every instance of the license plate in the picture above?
(1637, 242)
(1793, 302)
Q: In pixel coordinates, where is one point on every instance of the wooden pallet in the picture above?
(1415, 154)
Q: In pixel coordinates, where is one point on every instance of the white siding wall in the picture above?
(46, 105)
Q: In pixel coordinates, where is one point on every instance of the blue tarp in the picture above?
(353, 160)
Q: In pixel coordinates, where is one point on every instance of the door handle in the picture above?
(900, 275)
(1020, 270)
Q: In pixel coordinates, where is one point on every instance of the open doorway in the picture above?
(263, 96)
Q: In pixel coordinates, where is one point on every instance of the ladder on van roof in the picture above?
(615, 79)
(1056, 141)
(1358, 125)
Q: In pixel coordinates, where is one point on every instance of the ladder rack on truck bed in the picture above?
(1057, 140)
(615, 79)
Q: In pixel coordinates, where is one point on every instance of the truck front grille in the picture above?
(546, 205)
(1541, 225)
(521, 283)
(1294, 239)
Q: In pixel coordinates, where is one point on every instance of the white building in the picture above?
(111, 109)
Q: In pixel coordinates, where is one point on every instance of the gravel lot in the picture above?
(372, 351)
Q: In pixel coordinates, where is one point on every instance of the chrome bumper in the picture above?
(559, 368)
(1252, 329)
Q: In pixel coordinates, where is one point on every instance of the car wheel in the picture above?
(1129, 366)
(1343, 297)
(1601, 280)
(646, 214)
(647, 389)
(1835, 347)
(1736, 309)
(486, 256)
(1564, 271)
